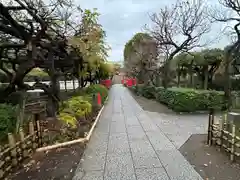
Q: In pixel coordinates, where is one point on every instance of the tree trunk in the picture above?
(65, 83)
(166, 79)
(227, 87)
(73, 83)
(55, 89)
(178, 79)
(205, 86)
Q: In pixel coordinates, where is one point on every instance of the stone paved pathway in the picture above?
(178, 128)
(128, 145)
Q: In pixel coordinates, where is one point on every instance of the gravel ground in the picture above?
(59, 164)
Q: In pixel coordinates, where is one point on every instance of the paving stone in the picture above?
(127, 137)
(89, 175)
(118, 144)
(99, 136)
(143, 116)
(119, 167)
(91, 161)
(118, 117)
(146, 160)
(178, 140)
(131, 121)
(135, 129)
(140, 136)
(159, 141)
(141, 146)
(177, 167)
(149, 126)
(117, 127)
(136, 133)
(152, 174)
(96, 149)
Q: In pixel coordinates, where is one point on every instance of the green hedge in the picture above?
(183, 99)
(145, 91)
(190, 100)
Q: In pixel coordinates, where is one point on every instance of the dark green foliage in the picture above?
(148, 92)
(145, 91)
(137, 89)
(13, 98)
(98, 88)
(7, 120)
(219, 82)
(190, 100)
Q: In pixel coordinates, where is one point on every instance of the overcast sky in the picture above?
(121, 19)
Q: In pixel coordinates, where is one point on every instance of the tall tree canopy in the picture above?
(49, 36)
(140, 56)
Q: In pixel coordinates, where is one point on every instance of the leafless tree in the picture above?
(230, 15)
(179, 28)
(141, 61)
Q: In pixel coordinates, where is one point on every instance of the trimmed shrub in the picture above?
(74, 108)
(145, 91)
(138, 89)
(190, 100)
(98, 88)
(148, 92)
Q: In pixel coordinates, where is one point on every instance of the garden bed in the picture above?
(74, 125)
(54, 165)
(57, 161)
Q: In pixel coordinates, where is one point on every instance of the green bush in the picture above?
(74, 108)
(145, 91)
(190, 100)
(148, 92)
(137, 89)
(98, 88)
(7, 120)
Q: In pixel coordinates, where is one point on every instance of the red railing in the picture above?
(106, 83)
(129, 81)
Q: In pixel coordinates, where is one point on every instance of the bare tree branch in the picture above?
(179, 28)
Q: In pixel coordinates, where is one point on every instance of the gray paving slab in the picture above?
(119, 167)
(89, 175)
(118, 144)
(152, 174)
(177, 166)
(128, 144)
(117, 127)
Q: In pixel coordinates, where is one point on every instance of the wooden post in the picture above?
(233, 143)
(32, 133)
(39, 133)
(212, 123)
(222, 128)
(45, 137)
(2, 162)
(23, 145)
(210, 128)
(12, 145)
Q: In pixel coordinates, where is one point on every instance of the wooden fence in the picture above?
(224, 134)
(21, 147)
